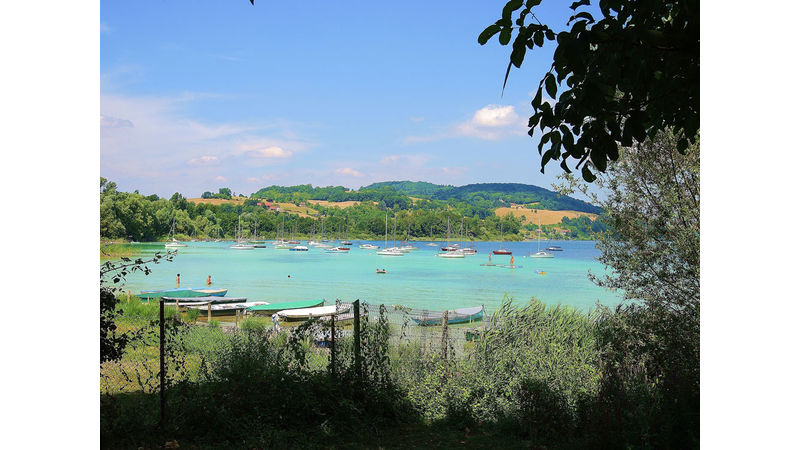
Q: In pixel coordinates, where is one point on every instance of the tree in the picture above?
(627, 76)
(652, 207)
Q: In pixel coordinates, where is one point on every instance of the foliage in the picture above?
(112, 344)
(633, 71)
(142, 218)
(653, 205)
(252, 324)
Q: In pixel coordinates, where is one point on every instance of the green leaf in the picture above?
(587, 174)
(550, 85)
(579, 3)
(505, 35)
(510, 7)
(487, 34)
(538, 39)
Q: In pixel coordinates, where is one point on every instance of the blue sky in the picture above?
(197, 95)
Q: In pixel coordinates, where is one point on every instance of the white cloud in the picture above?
(205, 159)
(349, 171)
(113, 122)
(495, 116)
(169, 150)
(491, 122)
(417, 119)
(220, 178)
(271, 152)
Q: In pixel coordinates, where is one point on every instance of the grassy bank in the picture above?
(547, 376)
(111, 251)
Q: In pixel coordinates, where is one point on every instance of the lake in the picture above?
(418, 280)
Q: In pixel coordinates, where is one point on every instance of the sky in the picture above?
(198, 95)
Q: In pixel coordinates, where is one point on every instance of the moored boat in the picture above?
(460, 315)
(225, 309)
(183, 301)
(293, 315)
(299, 248)
(182, 293)
(273, 308)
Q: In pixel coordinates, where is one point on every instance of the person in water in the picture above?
(208, 281)
(178, 281)
(512, 261)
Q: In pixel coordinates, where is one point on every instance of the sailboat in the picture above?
(432, 244)
(174, 243)
(450, 251)
(471, 250)
(539, 253)
(240, 243)
(281, 243)
(388, 251)
(501, 250)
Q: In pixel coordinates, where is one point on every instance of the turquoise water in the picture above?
(418, 280)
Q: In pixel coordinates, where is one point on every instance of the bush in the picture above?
(253, 325)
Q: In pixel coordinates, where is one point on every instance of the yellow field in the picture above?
(327, 204)
(546, 216)
(218, 201)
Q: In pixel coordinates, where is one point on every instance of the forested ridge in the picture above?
(421, 211)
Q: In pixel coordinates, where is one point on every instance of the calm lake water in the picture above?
(418, 280)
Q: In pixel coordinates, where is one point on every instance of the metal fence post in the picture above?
(333, 341)
(444, 336)
(357, 335)
(162, 370)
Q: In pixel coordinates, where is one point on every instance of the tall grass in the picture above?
(546, 375)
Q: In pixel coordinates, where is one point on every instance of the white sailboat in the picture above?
(388, 251)
(539, 253)
(174, 243)
(240, 243)
(450, 251)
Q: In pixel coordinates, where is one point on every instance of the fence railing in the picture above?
(168, 350)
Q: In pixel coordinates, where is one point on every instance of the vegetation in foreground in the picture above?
(547, 376)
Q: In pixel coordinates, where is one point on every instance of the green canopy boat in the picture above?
(272, 308)
(183, 293)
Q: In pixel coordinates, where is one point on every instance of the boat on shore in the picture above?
(460, 315)
(184, 301)
(225, 309)
(319, 312)
(273, 308)
(182, 293)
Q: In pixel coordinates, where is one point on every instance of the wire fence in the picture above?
(156, 357)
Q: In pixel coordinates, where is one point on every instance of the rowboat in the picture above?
(183, 301)
(293, 315)
(380, 270)
(273, 308)
(225, 309)
(182, 293)
(460, 315)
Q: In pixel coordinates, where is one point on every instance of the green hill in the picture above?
(495, 193)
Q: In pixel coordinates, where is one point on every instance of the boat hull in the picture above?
(182, 293)
(463, 315)
(268, 310)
